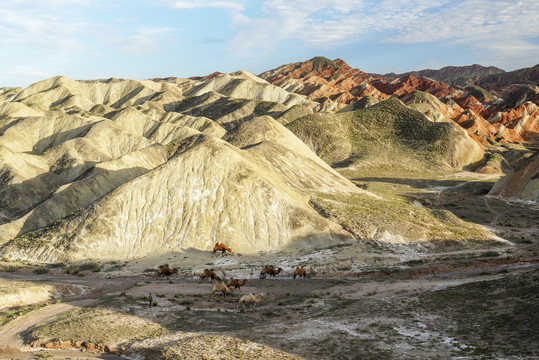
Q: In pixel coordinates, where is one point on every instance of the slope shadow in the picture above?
(89, 186)
(56, 139)
(36, 190)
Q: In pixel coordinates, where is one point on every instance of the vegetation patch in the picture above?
(481, 94)
(367, 218)
(386, 133)
(201, 346)
(12, 314)
(320, 63)
(292, 113)
(95, 325)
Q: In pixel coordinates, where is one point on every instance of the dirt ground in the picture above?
(364, 300)
(488, 308)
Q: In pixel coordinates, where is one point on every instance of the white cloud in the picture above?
(38, 24)
(499, 27)
(145, 41)
(206, 4)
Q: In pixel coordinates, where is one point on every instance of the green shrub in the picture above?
(41, 270)
(91, 266)
(11, 268)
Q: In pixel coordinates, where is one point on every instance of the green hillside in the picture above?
(388, 131)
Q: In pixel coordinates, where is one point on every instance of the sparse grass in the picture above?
(507, 309)
(96, 325)
(362, 215)
(11, 268)
(115, 267)
(90, 266)
(9, 315)
(45, 356)
(388, 131)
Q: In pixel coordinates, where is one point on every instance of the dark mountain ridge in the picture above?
(452, 75)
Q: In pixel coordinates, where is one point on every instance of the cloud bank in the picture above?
(500, 27)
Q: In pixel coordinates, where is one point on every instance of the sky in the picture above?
(141, 39)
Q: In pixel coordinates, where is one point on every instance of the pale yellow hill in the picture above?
(123, 169)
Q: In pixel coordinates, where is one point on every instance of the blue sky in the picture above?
(139, 39)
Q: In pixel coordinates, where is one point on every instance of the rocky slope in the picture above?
(492, 96)
(107, 168)
(123, 169)
(333, 83)
(522, 183)
(408, 84)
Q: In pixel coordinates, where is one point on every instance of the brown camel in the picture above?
(221, 247)
(269, 270)
(165, 270)
(222, 288)
(237, 283)
(209, 274)
(301, 272)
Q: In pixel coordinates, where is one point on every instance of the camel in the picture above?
(301, 272)
(210, 274)
(222, 288)
(269, 270)
(250, 299)
(165, 270)
(221, 247)
(236, 283)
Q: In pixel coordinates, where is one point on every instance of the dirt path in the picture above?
(12, 345)
(11, 334)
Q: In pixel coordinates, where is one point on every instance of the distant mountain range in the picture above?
(451, 75)
(489, 77)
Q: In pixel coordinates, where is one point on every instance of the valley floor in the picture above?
(364, 300)
(485, 308)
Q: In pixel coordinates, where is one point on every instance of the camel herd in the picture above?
(232, 284)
